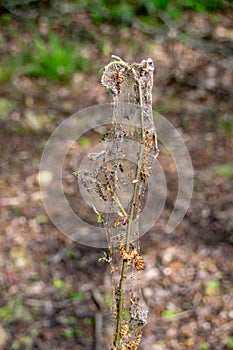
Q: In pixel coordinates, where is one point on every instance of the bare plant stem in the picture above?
(124, 269)
(128, 83)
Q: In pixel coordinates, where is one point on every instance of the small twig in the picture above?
(117, 201)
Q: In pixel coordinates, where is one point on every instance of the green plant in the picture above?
(71, 254)
(8, 67)
(225, 170)
(71, 332)
(42, 219)
(71, 320)
(54, 59)
(225, 124)
(169, 313)
(127, 12)
(202, 5)
(118, 11)
(6, 18)
(77, 296)
(6, 313)
(212, 288)
(160, 343)
(59, 284)
(84, 141)
(89, 321)
(6, 106)
(204, 346)
(13, 310)
(213, 284)
(230, 342)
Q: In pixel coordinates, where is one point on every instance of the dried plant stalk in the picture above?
(132, 83)
(122, 184)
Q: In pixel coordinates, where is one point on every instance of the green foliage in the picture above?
(84, 141)
(159, 4)
(8, 67)
(57, 59)
(42, 219)
(88, 321)
(169, 313)
(71, 254)
(6, 18)
(6, 106)
(77, 296)
(26, 341)
(204, 346)
(6, 313)
(99, 218)
(71, 332)
(14, 310)
(160, 343)
(212, 288)
(202, 5)
(71, 320)
(225, 123)
(59, 284)
(54, 59)
(111, 10)
(126, 315)
(230, 342)
(126, 12)
(23, 342)
(225, 170)
(68, 332)
(175, 13)
(213, 284)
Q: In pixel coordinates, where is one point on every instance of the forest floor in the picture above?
(52, 288)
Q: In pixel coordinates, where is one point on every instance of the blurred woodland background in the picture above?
(51, 53)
